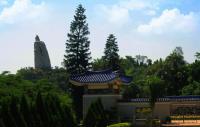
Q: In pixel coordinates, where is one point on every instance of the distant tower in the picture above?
(42, 60)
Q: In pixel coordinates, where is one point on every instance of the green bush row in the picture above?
(120, 125)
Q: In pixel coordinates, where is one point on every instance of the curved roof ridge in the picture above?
(102, 76)
(184, 96)
(106, 71)
(109, 70)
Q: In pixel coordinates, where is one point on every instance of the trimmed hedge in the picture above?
(120, 125)
(186, 117)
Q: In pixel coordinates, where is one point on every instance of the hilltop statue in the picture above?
(37, 38)
(41, 55)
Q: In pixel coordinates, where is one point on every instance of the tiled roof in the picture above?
(94, 77)
(125, 79)
(186, 98)
(166, 99)
(99, 77)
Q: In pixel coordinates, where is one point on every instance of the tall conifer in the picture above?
(41, 110)
(96, 115)
(19, 119)
(77, 58)
(7, 117)
(2, 123)
(25, 111)
(111, 56)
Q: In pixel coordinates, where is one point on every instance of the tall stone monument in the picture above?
(41, 55)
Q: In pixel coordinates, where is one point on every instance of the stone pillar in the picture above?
(41, 55)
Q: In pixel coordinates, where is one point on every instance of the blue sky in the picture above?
(146, 27)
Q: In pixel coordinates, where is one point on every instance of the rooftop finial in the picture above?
(37, 38)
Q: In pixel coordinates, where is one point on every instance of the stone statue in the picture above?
(37, 38)
(42, 59)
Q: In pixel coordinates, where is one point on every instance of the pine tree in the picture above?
(41, 110)
(69, 119)
(51, 111)
(25, 111)
(90, 118)
(77, 58)
(53, 108)
(7, 118)
(2, 123)
(19, 120)
(103, 121)
(111, 56)
(96, 115)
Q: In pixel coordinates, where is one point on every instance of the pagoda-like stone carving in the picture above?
(42, 59)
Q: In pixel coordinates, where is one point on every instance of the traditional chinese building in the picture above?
(104, 84)
(100, 82)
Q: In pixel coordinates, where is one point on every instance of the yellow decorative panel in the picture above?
(115, 87)
(98, 86)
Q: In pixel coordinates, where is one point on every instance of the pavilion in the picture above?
(100, 82)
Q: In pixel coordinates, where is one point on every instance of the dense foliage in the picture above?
(176, 75)
(17, 84)
(58, 76)
(43, 111)
(33, 103)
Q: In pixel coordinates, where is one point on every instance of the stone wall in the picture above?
(127, 110)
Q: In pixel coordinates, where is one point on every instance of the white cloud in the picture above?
(171, 21)
(119, 13)
(22, 10)
(115, 14)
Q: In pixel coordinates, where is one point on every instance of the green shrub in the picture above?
(120, 125)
